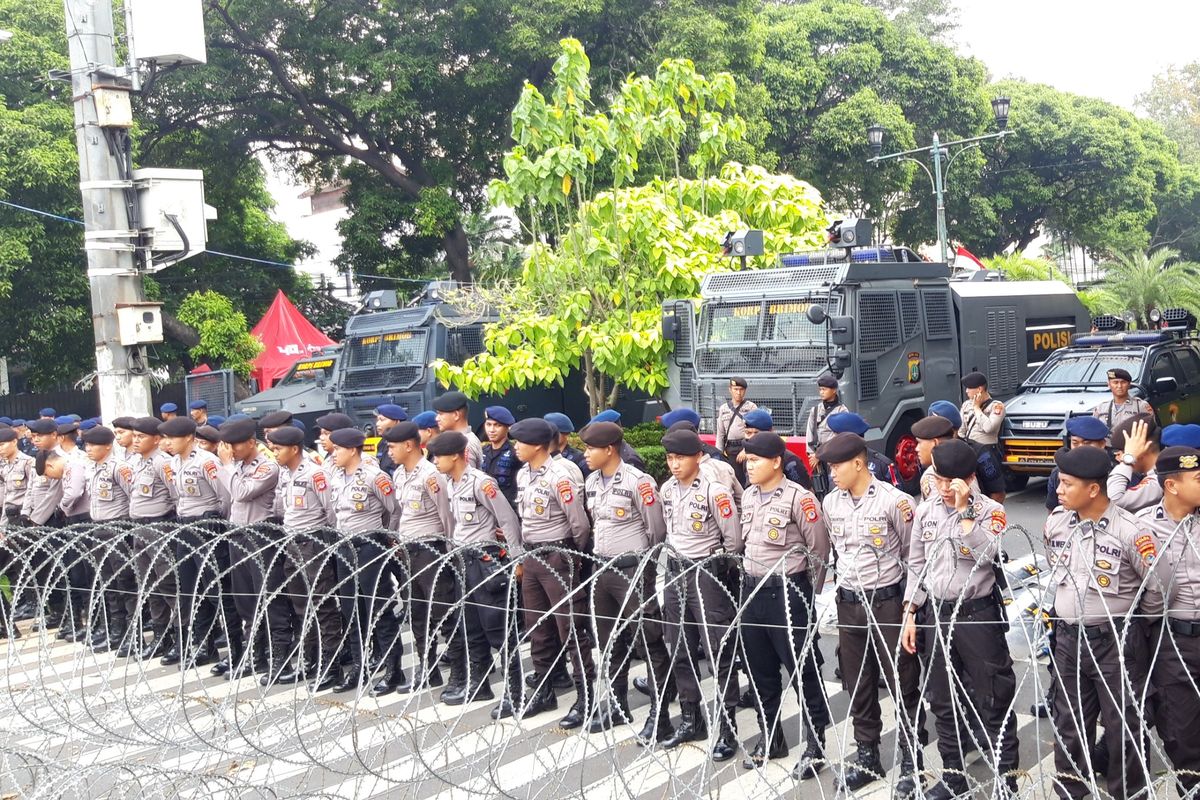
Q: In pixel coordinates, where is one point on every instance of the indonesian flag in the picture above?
(965, 259)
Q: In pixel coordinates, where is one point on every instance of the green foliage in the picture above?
(1140, 282)
(224, 335)
(1173, 101)
(644, 434)
(1017, 267)
(655, 458)
(1176, 222)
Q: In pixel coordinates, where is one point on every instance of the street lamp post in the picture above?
(939, 151)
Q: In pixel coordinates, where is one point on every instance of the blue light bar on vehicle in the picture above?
(858, 255)
(1136, 337)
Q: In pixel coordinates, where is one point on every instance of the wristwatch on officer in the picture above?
(970, 512)
(1128, 460)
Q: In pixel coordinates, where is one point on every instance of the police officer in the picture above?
(561, 446)
(1136, 442)
(794, 470)
(1098, 575)
(702, 522)
(1082, 431)
(198, 411)
(122, 428)
(731, 425)
(426, 528)
(364, 501)
(151, 509)
(451, 409)
(16, 475)
(426, 423)
(484, 593)
(168, 411)
(628, 454)
(303, 498)
(870, 525)
(957, 536)
(930, 432)
(715, 468)
(816, 429)
(988, 474)
(201, 503)
(109, 482)
(628, 526)
(673, 417)
(1177, 568)
(982, 416)
(208, 438)
(880, 465)
(386, 416)
(786, 540)
(1121, 406)
(25, 442)
(285, 419)
(499, 459)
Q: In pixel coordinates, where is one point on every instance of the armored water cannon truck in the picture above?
(896, 331)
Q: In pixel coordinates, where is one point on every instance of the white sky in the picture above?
(1104, 48)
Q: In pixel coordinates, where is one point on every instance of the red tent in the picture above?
(286, 336)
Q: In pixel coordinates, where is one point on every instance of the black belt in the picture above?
(1184, 627)
(679, 564)
(422, 545)
(76, 519)
(623, 561)
(1090, 632)
(566, 544)
(734, 443)
(152, 520)
(207, 515)
(948, 608)
(777, 581)
(856, 596)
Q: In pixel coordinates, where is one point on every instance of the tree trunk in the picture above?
(458, 254)
(186, 335)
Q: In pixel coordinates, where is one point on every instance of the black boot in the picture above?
(762, 753)
(953, 783)
(692, 727)
(1006, 786)
(727, 743)
(911, 779)
(352, 678)
(658, 726)
(612, 713)
(510, 704)
(423, 678)
(543, 699)
(643, 686)
(865, 768)
(159, 643)
(454, 686)
(207, 655)
(173, 655)
(474, 687)
(392, 682)
(578, 713)
(812, 760)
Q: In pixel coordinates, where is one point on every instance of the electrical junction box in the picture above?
(139, 323)
(172, 212)
(112, 107)
(167, 31)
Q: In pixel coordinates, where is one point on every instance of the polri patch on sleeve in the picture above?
(1146, 546)
(647, 493)
(998, 522)
(432, 484)
(906, 510)
(319, 482)
(724, 505)
(264, 469)
(565, 492)
(489, 489)
(383, 484)
(810, 509)
(210, 469)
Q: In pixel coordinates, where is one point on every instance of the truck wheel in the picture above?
(902, 449)
(1015, 481)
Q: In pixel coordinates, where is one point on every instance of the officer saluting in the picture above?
(628, 525)
(957, 536)
(1121, 407)
(982, 417)
(1136, 440)
(1097, 578)
(786, 539)
(702, 521)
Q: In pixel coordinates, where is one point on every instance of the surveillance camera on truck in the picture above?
(895, 331)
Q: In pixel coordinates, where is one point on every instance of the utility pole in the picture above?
(109, 202)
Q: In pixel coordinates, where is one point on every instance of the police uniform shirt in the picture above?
(480, 511)
(550, 505)
(578, 459)
(928, 485)
(152, 493)
(871, 535)
(784, 532)
(731, 426)
(816, 430)
(945, 562)
(570, 466)
(42, 498)
(108, 490)
(16, 476)
(721, 472)
(304, 497)
(474, 448)
(74, 501)
(251, 486)
(1177, 563)
(981, 424)
(198, 484)
(701, 518)
(364, 500)
(501, 463)
(1143, 494)
(423, 502)
(1114, 413)
(627, 514)
(1099, 572)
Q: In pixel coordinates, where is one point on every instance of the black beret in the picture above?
(99, 435)
(238, 430)
(48, 426)
(334, 422)
(67, 427)
(602, 434)
(1119, 432)
(148, 425)
(1177, 459)
(738, 382)
(286, 436)
(1119, 375)
(124, 423)
(450, 401)
(403, 432)
(450, 443)
(932, 427)
(682, 443)
(765, 444)
(955, 459)
(827, 381)
(682, 425)
(1088, 463)
(178, 426)
(841, 448)
(348, 437)
(8, 435)
(276, 419)
(974, 380)
(533, 431)
(208, 433)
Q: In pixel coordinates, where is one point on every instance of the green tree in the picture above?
(1017, 267)
(1140, 282)
(590, 292)
(1176, 221)
(1173, 101)
(224, 335)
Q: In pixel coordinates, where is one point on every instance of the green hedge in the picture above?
(645, 434)
(646, 439)
(655, 457)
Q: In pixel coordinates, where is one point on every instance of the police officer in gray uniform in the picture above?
(17, 473)
(364, 501)
(426, 528)
(1137, 441)
(108, 497)
(152, 508)
(451, 411)
(956, 537)
(702, 522)
(1097, 579)
(304, 499)
(628, 526)
(201, 505)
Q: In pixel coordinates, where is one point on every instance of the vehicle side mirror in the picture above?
(841, 330)
(670, 327)
(816, 314)
(1166, 384)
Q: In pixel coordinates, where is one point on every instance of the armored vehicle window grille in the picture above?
(1003, 373)
(868, 380)
(463, 343)
(687, 385)
(937, 315)
(390, 378)
(731, 322)
(759, 282)
(216, 388)
(756, 360)
(910, 314)
(877, 323)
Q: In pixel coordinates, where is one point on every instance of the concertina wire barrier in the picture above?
(84, 724)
